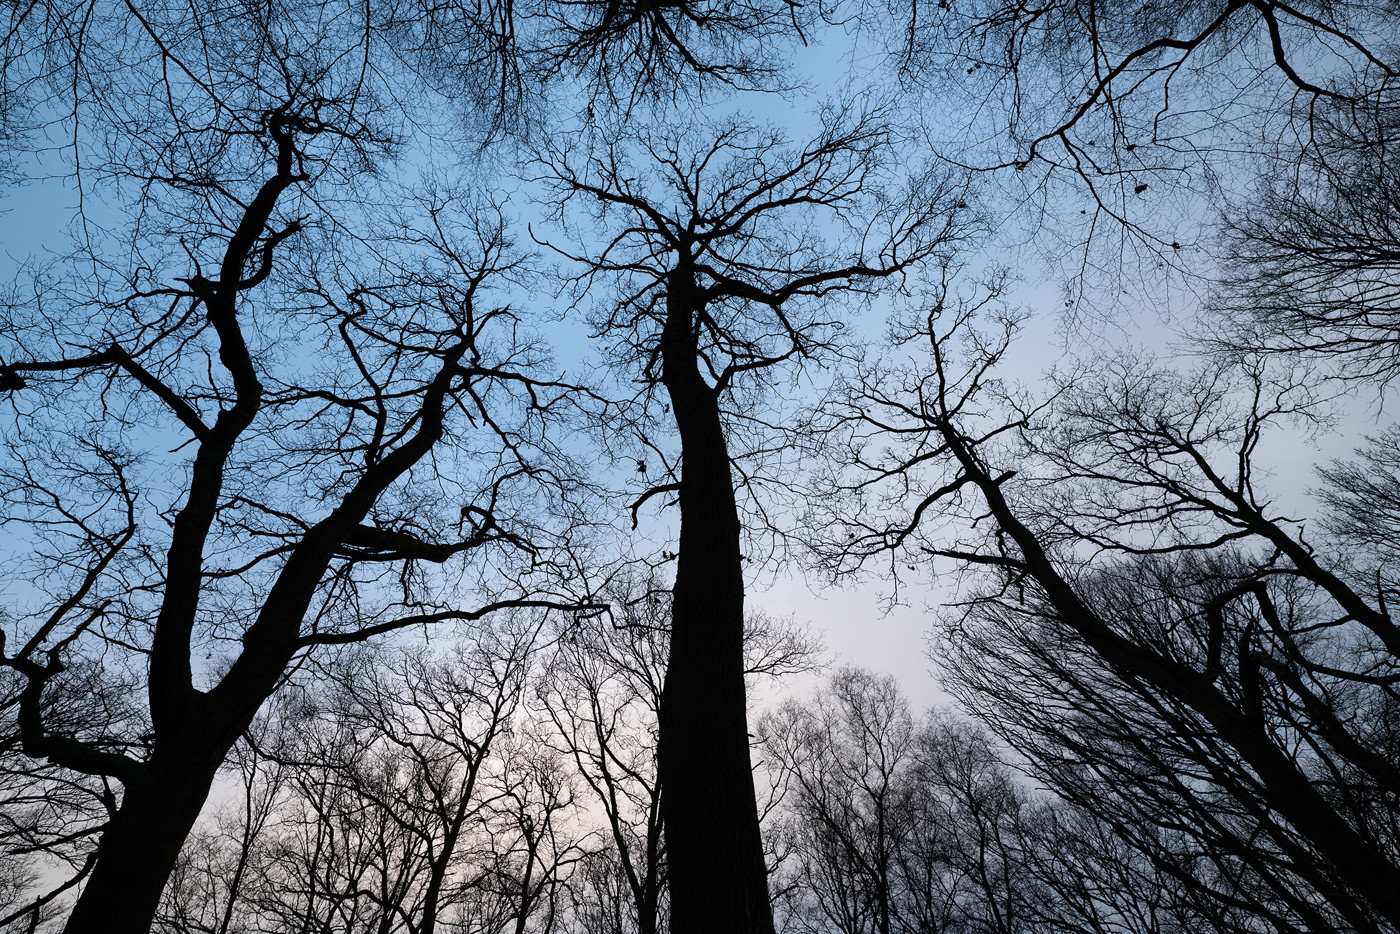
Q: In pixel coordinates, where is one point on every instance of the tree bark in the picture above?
(718, 879)
(140, 845)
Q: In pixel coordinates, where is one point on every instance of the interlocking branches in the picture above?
(1313, 255)
(1132, 568)
(632, 51)
(256, 433)
(764, 231)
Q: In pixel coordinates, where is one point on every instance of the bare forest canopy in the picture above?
(405, 406)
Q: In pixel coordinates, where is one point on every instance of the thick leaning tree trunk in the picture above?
(162, 797)
(718, 879)
(141, 844)
(194, 731)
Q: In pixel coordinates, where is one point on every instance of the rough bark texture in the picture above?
(718, 878)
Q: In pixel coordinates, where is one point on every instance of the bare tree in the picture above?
(602, 691)
(1226, 677)
(1171, 788)
(207, 890)
(897, 823)
(410, 750)
(222, 434)
(1311, 254)
(671, 52)
(534, 837)
(49, 816)
(1109, 64)
(1118, 130)
(721, 277)
(847, 756)
(398, 791)
(601, 897)
(900, 824)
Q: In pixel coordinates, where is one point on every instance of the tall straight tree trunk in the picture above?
(718, 879)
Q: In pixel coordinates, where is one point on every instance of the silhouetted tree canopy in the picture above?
(405, 412)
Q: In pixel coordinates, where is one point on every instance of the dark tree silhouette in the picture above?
(221, 432)
(266, 405)
(847, 757)
(602, 691)
(903, 823)
(1172, 789)
(400, 790)
(1194, 647)
(630, 52)
(723, 276)
(1078, 67)
(223, 858)
(897, 823)
(401, 757)
(1115, 126)
(1313, 255)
